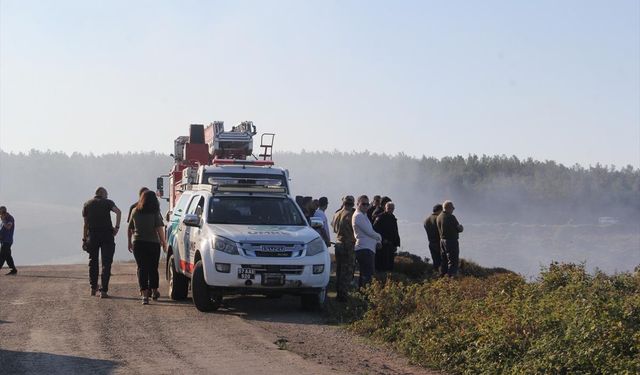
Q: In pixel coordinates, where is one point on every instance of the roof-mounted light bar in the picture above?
(250, 189)
(242, 162)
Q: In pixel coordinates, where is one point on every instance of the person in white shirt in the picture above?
(367, 240)
(323, 203)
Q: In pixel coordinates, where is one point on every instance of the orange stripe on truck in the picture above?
(186, 266)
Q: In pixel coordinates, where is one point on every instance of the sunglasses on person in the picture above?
(364, 204)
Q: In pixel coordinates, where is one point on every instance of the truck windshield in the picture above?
(253, 211)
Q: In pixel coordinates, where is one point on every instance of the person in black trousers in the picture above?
(98, 236)
(387, 225)
(7, 226)
(145, 236)
(431, 227)
(140, 192)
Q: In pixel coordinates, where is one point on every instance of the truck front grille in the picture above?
(272, 250)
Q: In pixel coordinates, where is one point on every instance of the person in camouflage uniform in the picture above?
(344, 247)
(449, 229)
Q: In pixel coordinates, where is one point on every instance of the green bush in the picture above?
(412, 265)
(565, 322)
(346, 312)
(469, 268)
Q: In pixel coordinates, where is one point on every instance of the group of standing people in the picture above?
(367, 234)
(145, 234)
(316, 208)
(443, 230)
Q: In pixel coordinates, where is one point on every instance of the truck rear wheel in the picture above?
(313, 302)
(200, 291)
(178, 283)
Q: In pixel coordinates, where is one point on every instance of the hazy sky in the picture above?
(553, 80)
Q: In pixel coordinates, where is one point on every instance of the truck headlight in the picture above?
(315, 247)
(225, 245)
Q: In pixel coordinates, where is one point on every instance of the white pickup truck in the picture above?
(239, 232)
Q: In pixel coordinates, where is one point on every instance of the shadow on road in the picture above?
(169, 302)
(14, 362)
(259, 308)
(5, 321)
(52, 277)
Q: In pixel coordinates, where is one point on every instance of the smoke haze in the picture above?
(518, 214)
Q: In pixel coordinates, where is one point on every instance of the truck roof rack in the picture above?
(202, 187)
(216, 147)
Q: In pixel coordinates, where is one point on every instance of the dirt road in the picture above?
(49, 324)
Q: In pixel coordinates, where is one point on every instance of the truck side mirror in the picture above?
(316, 223)
(160, 186)
(191, 220)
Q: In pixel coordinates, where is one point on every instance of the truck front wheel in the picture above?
(313, 302)
(178, 283)
(200, 291)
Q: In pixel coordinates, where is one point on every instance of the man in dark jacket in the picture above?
(7, 227)
(449, 228)
(98, 234)
(431, 228)
(380, 209)
(375, 203)
(387, 225)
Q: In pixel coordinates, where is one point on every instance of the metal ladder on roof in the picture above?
(266, 144)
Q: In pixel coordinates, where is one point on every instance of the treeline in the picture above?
(58, 178)
(485, 188)
(494, 188)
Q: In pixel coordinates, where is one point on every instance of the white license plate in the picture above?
(246, 273)
(273, 279)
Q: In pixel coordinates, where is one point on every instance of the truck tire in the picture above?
(313, 302)
(178, 283)
(196, 134)
(200, 291)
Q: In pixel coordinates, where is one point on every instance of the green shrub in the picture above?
(469, 268)
(346, 312)
(412, 265)
(565, 322)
